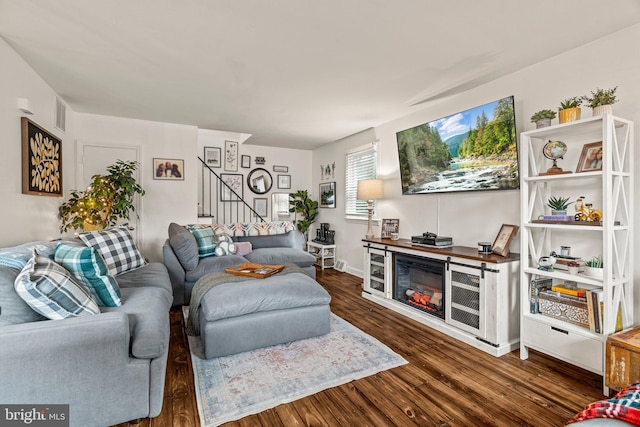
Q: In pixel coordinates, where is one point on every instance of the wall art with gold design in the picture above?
(41, 161)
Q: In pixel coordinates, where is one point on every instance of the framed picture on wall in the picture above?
(169, 169)
(231, 156)
(231, 189)
(328, 195)
(284, 181)
(260, 206)
(246, 161)
(41, 161)
(213, 156)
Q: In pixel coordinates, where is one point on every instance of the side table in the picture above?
(325, 254)
(623, 358)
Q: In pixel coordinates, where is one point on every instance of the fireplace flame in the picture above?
(429, 300)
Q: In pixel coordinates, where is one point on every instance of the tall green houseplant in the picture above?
(301, 203)
(107, 199)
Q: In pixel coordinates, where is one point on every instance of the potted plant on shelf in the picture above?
(601, 101)
(569, 109)
(558, 205)
(543, 118)
(594, 267)
(302, 204)
(107, 199)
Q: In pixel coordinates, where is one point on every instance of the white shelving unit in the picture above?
(325, 254)
(611, 191)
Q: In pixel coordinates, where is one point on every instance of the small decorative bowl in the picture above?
(594, 272)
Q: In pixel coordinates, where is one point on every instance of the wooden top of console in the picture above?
(454, 251)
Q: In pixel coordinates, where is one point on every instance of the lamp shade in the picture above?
(370, 189)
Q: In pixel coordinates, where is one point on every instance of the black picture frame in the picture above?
(41, 161)
(245, 161)
(213, 157)
(284, 181)
(327, 195)
(236, 182)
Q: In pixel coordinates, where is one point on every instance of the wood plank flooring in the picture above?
(446, 383)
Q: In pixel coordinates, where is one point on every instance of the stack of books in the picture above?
(562, 264)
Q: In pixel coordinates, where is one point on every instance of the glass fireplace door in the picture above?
(465, 306)
(377, 274)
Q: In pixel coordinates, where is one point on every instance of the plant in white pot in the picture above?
(558, 205)
(601, 101)
(569, 109)
(543, 118)
(594, 267)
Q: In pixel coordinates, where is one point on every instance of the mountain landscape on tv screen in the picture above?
(472, 150)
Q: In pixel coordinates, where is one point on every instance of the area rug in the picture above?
(229, 388)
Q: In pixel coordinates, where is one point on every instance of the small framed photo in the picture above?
(328, 195)
(170, 169)
(591, 157)
(213, 157)
(389, 226)
(503, 239)
(281, 169)
(260, 206)
(231, 188)
(231, 156)
(260, 160)
(284, 181)
(246, 161)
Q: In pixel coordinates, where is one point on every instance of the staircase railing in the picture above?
(219, 200)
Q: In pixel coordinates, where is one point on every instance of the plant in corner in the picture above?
(302, 204)
(569, 109)
(543, 118)
(107, 199)
(558, 205)
(601, 100)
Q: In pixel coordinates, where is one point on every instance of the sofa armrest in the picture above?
(177, 275)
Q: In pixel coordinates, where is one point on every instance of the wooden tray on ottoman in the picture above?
(259, 271)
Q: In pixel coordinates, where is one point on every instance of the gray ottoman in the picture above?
(242, 316)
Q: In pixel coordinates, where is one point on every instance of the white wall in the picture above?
(26, 217)
(297, 161)
(165, 201)
(473, 217)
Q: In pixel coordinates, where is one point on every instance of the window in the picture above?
(360, 164)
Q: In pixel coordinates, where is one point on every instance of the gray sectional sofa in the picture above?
(108, 367)
(180, 253)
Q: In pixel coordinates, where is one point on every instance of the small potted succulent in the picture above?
(569, 109)
(594, 267)
(543, 118)
(601, 101)
(558, 205)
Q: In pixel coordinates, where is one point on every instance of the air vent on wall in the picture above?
(60, 114)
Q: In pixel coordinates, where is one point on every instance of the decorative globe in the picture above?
(554, 150)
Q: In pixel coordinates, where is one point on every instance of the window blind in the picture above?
(360, 164)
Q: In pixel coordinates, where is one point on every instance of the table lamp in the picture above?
(370, 190)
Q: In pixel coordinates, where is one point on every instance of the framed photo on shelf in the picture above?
(389, 226)
(281, 169)
(213, 157)
(503, 239)
(231, 156)
(169, 169)
(246, 161)
(327, 195)
(591, 157)
(41, 161)
(233, 183)
(284, 181)
(260, 206)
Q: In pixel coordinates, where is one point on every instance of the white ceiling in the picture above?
(293, 73)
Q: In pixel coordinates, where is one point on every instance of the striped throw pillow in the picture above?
(88, 266)
(117, 247)
(206, 240)
(52, 291)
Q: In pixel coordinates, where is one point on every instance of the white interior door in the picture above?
(93, 159)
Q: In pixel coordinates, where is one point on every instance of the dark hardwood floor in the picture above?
(446, 383)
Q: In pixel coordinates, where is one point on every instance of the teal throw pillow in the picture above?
(207, 241)
(52, 291)
(88, 266)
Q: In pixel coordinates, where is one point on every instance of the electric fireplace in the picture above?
(419, 283)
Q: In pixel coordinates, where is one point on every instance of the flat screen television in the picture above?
(472, 150)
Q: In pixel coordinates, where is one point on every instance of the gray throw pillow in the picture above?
(184, 245)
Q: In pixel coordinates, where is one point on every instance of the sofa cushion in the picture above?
(18, 256)
(152, 275)
(88, 266)
(206, 241)
(184, 245)
(52, 291)
(14, 309)
(286, 240)
(213, 264)
(117, 247)
(148, 312)
(281, 256)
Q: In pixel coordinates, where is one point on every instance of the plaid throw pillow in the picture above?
(88, 266)
(52, 291)
(206, 240)
(116, 247)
